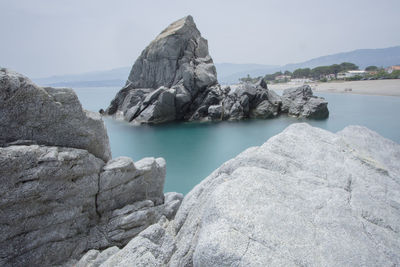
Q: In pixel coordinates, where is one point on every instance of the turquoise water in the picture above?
(194, 150)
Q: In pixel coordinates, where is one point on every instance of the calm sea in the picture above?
(194, 150)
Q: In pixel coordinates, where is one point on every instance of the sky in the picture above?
(54, 37)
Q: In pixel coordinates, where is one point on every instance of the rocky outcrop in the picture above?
(173, 71)
(306, 197)
(300, 102)
(60, 195)
(248, 100)
(48, 116)
(174, 79)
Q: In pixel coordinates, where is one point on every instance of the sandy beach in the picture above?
(374, 87)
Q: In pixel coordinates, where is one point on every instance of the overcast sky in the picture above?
(50, 37)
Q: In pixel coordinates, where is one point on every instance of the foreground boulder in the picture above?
(49, 116)
(175, 79)
(306, 197)
(60, 195)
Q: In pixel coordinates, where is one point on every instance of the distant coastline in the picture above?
(373, 87)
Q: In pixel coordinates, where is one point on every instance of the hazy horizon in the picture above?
(46, 38)
(235, 63)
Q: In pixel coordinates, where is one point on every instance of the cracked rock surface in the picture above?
(307, 197)
(60, 194)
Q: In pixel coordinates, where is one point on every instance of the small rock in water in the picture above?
(300, 102)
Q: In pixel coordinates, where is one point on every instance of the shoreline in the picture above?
(373, 87)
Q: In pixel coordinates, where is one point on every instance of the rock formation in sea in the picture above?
(175, 79)
(300, 102)
(307, 197)
(61, 193)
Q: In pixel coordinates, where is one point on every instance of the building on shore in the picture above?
(329, 77)
(281, 78)
(392, 68)
(300, 81)
(351, 73)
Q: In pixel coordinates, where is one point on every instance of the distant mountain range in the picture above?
(115, 77)
(382, 57)
(230, 73)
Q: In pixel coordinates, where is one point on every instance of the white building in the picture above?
(282, 78)
(300, 81)
(351, 73)
(392, 68)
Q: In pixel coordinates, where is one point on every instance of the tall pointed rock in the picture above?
(169, 74)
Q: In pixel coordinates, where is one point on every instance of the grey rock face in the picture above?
(122, 181)
(300, 102)
(176, 51)
(59, 201)
(48, 116)
(249, 100)
(305, 197)
(67, 201)
(48, 203)
(172, 71)
(94, 258)
(152, 247)
(121, 225)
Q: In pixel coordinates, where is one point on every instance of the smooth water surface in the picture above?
(194, 150)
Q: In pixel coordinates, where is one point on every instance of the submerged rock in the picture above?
(175, 79)
(60, 194)
(305, 197)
